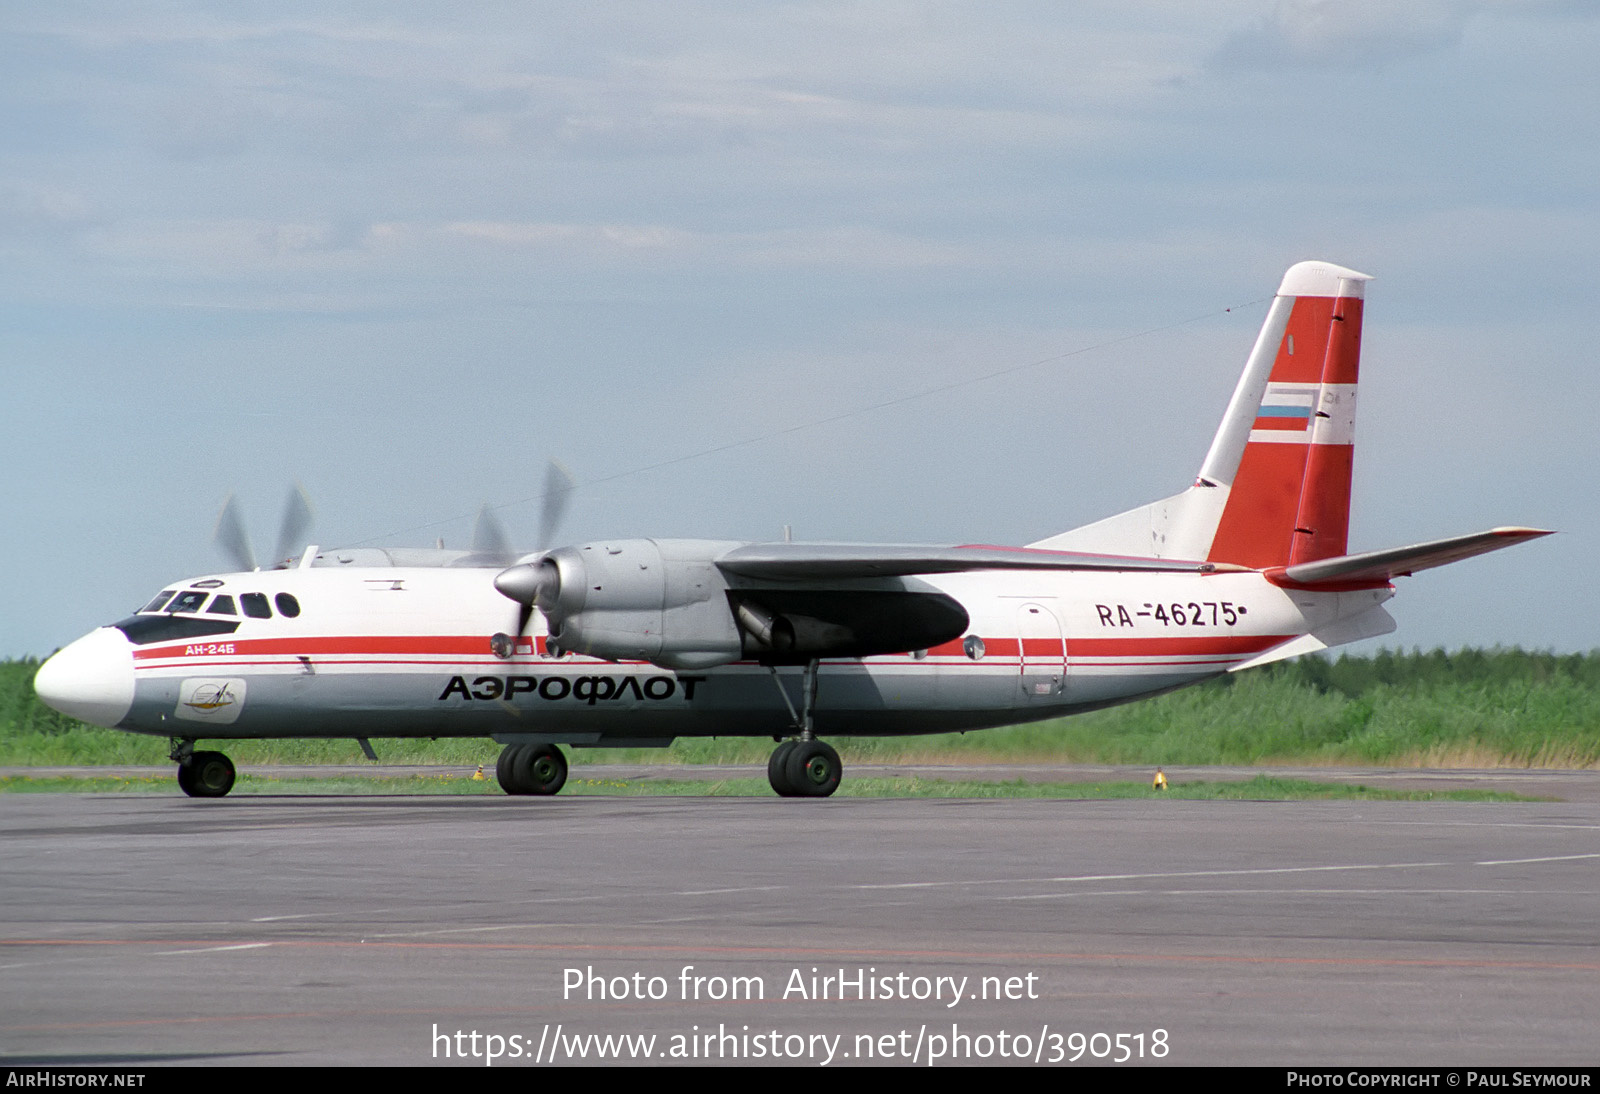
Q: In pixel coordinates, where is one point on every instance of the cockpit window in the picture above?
(222, 605)
(255, 605)
(157, 604)
(287, 605)
(143, 630)
(188, 602)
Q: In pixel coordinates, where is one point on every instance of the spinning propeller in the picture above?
(489, 542)
(234, 542)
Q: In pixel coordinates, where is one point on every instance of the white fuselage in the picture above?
(406, 652)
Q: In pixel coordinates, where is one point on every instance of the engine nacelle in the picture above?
(667, 602)
(662, 601)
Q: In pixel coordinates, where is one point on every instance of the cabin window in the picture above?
(159, 602)
(188, 602)
(222, 605)
(255, 605)
(287, 605)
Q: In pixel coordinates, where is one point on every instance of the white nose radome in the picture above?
(92, 679)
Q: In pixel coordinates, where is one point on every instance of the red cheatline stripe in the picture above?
(498, 667)
(321, 647)
(471, 647)
(1173, 647)
(993, 647)
(1132, 664)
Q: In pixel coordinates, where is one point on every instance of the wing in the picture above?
(823, 561)
(798, 620)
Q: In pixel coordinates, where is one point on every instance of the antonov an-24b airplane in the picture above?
(635, 642)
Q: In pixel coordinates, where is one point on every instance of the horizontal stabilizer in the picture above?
(814, 561)
(1375, 566)
(1372, 623)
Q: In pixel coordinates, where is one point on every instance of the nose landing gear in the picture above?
(202, 774)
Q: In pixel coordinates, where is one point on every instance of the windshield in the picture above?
(189, 601)
(159, 602)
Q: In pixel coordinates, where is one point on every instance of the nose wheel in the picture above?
(531, 769)
(203, 774)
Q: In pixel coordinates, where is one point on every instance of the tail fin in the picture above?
(1274, 489)
(1286, 447)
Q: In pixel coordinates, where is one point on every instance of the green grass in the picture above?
(1468, 708)
(1260, 788)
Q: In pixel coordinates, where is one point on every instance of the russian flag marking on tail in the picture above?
(1285, 409)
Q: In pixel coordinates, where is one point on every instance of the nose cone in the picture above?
(92, 679)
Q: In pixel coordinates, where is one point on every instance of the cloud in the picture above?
(31, 210)
(594, 237)
(236, 253)
(1348, 34)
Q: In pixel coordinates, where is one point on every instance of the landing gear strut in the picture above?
(531, 769)
(202, 774)
(804, 767)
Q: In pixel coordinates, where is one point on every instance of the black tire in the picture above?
(813, 769)
(777, 769)
(539, 769)
(211, 775)
(505, 769)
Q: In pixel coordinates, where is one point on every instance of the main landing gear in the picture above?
(202, 774)
(531, 769)
(804, 767)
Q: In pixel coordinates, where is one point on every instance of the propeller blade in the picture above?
(489, 540)
(558, 486)
(231, 538)
(294, 525)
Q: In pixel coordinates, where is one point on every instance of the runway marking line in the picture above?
(1243, 872)
(1156, 875)
(1546, 858)
(1301, 892)
(724, 892)
(467, 930)
(788, 952)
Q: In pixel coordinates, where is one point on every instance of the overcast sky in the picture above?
(404, 254)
